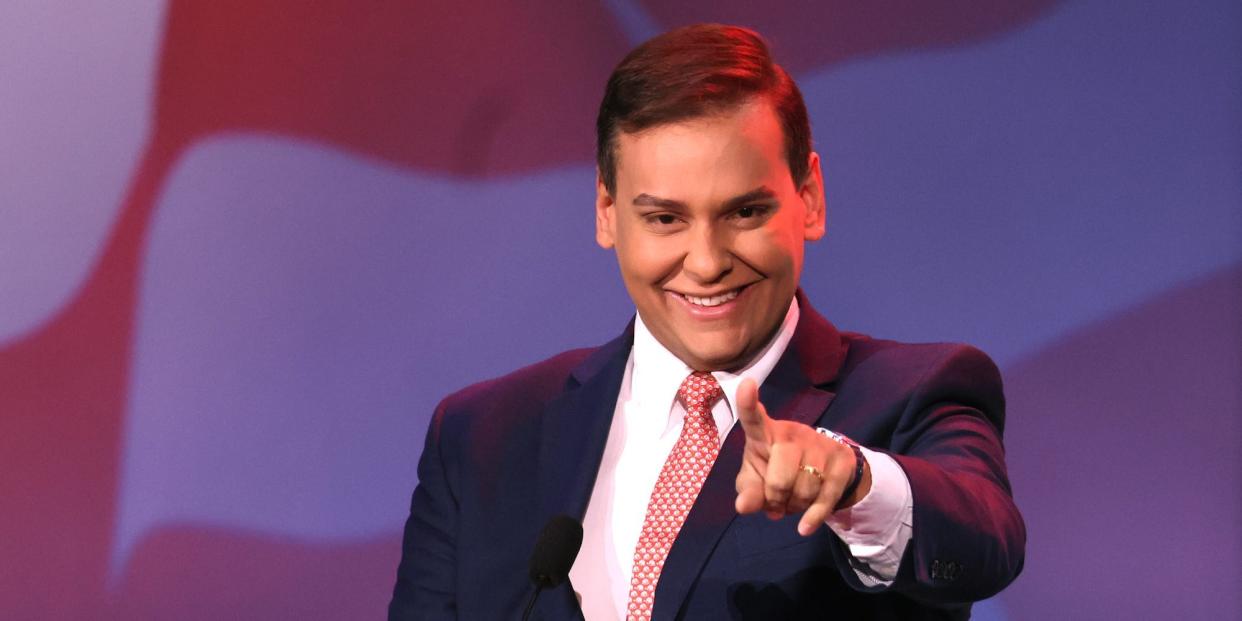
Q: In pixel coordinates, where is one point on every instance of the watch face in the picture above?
(836, 436)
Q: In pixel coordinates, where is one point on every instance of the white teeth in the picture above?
(714, 300)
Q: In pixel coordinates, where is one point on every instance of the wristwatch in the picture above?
(859, 461)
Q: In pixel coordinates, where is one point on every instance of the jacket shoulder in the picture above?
(535, 383)
(867, 351)
(927, 372)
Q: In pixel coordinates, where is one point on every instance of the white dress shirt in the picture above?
(645, 426)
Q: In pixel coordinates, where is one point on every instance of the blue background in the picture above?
(246, 247)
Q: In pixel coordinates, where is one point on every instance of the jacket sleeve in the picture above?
(425, 586)
(968, 537)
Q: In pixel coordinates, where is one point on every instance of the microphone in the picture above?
(554, 554)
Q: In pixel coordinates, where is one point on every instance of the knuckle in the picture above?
(827, 494)
(775, 489)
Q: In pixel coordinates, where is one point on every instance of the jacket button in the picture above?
(946, 571)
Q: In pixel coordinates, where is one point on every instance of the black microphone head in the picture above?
(555, 551)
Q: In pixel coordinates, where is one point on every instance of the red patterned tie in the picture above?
(679, 483)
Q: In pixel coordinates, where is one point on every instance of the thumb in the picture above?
(751, 414)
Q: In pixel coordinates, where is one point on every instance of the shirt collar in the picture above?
(657, 373)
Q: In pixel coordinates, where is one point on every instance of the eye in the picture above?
(662, 221)
(750, 214)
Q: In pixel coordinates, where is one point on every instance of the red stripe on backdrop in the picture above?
(63, 390)
(472, 87)
(206, 574)
(466, 87)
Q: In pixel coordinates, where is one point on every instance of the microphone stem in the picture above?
(531, 605)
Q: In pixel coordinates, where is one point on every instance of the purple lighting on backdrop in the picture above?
(218, 352)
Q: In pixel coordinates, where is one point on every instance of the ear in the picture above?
(812, 194)
(605, 215)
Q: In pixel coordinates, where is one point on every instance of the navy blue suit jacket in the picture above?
(503, 456)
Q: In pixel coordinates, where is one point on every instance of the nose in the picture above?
(707, 259)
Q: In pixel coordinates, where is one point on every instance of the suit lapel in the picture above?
(574, 430)
(796, 390)
(573, 433)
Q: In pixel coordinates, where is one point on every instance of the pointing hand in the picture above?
(789, 468)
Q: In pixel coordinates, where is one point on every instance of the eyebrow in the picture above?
(760, 193)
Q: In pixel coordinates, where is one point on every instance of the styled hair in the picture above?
(697, 71)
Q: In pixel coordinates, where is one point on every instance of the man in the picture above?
(706, 448)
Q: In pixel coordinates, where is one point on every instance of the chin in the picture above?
(710, 359)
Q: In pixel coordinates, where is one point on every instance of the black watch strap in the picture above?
(860, 462)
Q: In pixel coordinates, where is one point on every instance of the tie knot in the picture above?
(699, 392)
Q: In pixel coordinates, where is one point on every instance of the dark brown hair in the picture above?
(696, 71)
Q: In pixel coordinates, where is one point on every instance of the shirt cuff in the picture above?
(878, 527)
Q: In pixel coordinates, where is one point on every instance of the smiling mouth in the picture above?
(715, 300)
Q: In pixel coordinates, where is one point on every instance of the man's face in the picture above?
(709, 230)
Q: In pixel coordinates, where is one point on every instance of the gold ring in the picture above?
(813, 471)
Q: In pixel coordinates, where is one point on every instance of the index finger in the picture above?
(751, 413)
